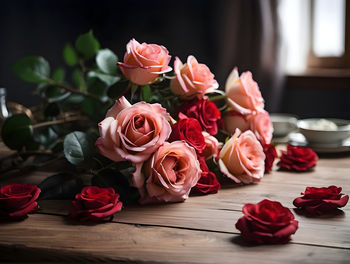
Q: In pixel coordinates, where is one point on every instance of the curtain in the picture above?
(249, 36)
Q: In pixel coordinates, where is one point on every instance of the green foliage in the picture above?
(87, 45)
(107, 79)
(77, 77)
(58, 75)
(146, 93)
(78, 147)
(60, 186)
(69, 55)
(94, 108)
(106, 61)
(32, 69)
(17, 131)
(47, 137)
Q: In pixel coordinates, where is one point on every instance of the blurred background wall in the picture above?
(219, 33)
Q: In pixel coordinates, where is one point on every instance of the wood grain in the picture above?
(201, 230)
(56, 237)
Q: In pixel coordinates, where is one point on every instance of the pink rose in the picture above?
(143, 63)
(192, 80)
(133, 132)
(169, 174)
(233, 120)
(242, 158)
(212, 146)
(243, 94)
(261, 125)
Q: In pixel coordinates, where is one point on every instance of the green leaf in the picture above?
(96, 87)
(75, 99)
(60, 186)
(94, 108)
(77, 77)
(58, 75)
(78, 147)
(17, 131)
(55, 94)
(87, 45)
(146, 93)
(118, 89)
(47, 137)
(32, 69)
(69, 55)
(106, 60)
(107, 79)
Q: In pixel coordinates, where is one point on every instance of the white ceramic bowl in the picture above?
(314, 136)
(283, 124)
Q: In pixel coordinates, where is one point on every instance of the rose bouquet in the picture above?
(138, 130)
(163, 132)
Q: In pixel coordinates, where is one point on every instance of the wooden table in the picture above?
(201, 230)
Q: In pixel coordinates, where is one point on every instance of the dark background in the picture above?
(192, 27)
(42, 28)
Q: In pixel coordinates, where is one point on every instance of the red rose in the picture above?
(267, 222)
(17, 200)
(297, 158)
(189, 130)
(96, 204)
(270, 155)
(207, 183)
(205, 111)
(321, 200)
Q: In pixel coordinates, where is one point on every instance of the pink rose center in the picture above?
(139, 130)
(171, 169)
(249, 153)
(151, 52)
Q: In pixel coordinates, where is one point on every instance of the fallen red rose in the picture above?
(207, 183)
(297, 158)
(321, 200)
(267, 222)
(205, 111)
(189, 130)
(270, 155)
(17, 200)
(95, 204)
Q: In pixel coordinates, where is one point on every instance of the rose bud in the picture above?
(169, 174)
(207, 183)
(243, 93)
(267, 222)
(297, 158)
(189, 130)
(242, 158)
(321, 201)
(192, 79)
(143, 63)
(17, 200)
(133, 132)
(212, 146)
(261, 125)
(95, 204)
(234, 120)
(205, 111)
(270, 155)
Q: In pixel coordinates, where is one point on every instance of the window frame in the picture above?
(343, 61)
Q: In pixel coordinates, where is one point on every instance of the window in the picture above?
(315, 33)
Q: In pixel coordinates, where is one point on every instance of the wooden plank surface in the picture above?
(65, 240)
(201, 230)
